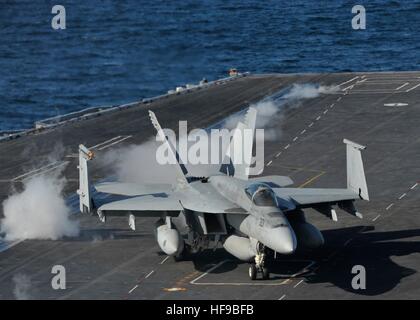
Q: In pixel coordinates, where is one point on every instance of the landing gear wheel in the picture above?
(178, 258)
(183, 255)
(252, 272)
(260, 260)
(265, 273)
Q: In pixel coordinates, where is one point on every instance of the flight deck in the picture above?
(380, 110)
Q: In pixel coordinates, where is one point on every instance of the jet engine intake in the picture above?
(240, 247)
(308, 236)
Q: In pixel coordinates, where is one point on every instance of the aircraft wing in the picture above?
(319, 199)
(144, 206)
(199, 198)
(133, 189)
(307, 197)
(323, 199)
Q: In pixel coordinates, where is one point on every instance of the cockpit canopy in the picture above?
(261, 195)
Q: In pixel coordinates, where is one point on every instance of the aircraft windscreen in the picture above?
(261, 195)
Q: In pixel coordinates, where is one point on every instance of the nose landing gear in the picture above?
(259, 264)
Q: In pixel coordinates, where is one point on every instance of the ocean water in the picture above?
(120, 51)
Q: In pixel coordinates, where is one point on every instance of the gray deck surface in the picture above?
(118, 265)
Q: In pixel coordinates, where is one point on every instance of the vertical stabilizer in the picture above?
(181, 170)
(356, 179)
(238, 155)
(85, 199)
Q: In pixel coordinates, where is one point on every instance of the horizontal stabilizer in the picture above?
(274, 181)
(209, 200)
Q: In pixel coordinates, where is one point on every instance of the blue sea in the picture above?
(114, 52)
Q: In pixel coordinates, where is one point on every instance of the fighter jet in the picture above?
(252, 218)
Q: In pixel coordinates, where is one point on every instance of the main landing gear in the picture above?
(185, 254)
(259, 264)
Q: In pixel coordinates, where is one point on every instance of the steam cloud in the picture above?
(307, 91)
(271, 111)
(38, 212)
(22, 285)
(137, 163)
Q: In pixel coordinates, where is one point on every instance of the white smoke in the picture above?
(308, 91)
(271, 110)
(22, 286)
(137, 163)
(38, 212)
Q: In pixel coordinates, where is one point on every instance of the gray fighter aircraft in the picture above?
(252, 218)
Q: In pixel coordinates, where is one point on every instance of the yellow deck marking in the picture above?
(311, 179)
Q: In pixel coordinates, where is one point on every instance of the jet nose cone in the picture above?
(286, 241)
(290, 244)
